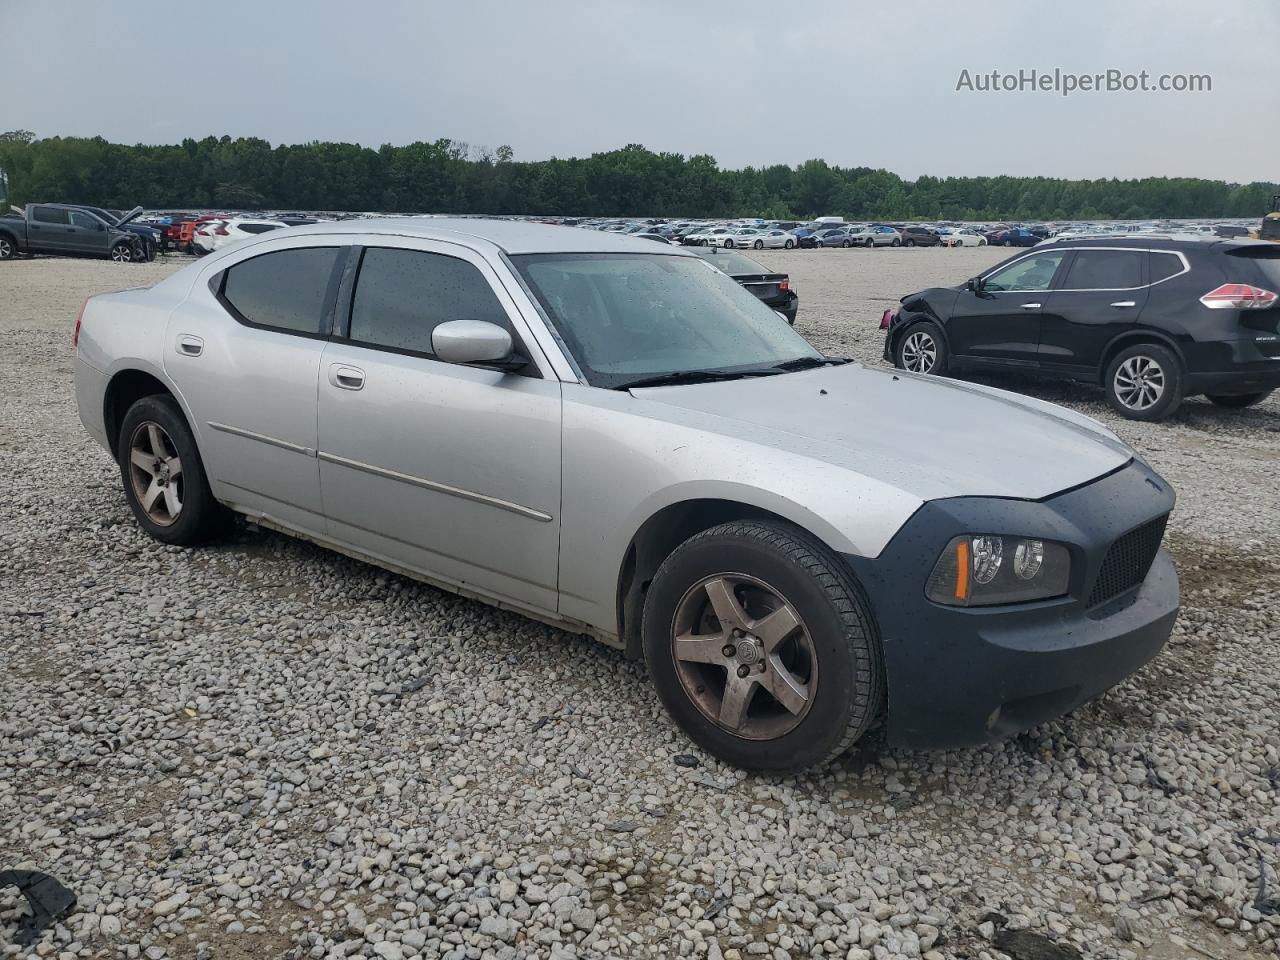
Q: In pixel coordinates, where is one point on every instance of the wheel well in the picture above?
(654, 542)
(1133, 339)
(125, 389)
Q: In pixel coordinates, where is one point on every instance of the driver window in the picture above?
(1031, 273)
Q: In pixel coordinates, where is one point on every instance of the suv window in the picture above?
(256, 227)
(1162, 266)
(51, 215)
(1105, 270)
(1031, 273)
(285, 290)
(402, 294)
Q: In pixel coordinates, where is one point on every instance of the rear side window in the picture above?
(256, 227)
(402, 294)
(51, 215)
(284, 290)
(1162, 266)
(1104, 270)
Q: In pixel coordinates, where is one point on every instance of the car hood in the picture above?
(927, 436)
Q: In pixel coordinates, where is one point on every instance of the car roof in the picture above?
(1142, 241)
(507, 235)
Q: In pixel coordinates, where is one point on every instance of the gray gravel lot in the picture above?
(261, 749)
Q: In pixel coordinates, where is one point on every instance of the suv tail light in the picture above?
(75, 332)
(1238, 296)
(784, 283)
(221, 231)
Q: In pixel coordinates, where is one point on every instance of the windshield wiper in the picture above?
(692, 376)
(806, 363)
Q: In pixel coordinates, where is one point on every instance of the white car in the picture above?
(712, 236)
(742, 237)
(964, 238)
(202, 237)
(771, 238)
(242, 227)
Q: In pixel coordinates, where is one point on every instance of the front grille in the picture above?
(1127, 561)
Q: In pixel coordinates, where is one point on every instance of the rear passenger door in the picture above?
(244, 351)
(49, 230)
(448, 469)
(1101, 294)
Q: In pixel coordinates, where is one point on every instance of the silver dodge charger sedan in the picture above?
(614, 437)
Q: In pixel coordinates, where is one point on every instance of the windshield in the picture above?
(629, 317)
(730, 263)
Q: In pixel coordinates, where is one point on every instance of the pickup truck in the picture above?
(67, 230)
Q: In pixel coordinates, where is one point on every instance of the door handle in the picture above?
(1031, 306)
(345, 377)
(190, 346)
(1124, 303)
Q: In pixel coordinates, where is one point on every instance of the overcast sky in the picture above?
(747, 81)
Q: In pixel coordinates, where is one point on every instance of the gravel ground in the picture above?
(262, 750)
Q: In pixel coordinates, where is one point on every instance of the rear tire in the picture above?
(163, 476)
(868, 243)
(759, 245)
(910, 243)
(1144, 382)
(1237, 401)
(820, 650)
(8, 249)
(788, 245)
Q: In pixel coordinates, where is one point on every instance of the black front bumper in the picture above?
(963, 676)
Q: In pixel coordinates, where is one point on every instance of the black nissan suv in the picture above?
(1152, 319)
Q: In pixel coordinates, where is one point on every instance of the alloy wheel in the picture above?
(1139, 383)
(155, 471)
(744, 656)
(919, 352)
(121, 253)
(6, 249)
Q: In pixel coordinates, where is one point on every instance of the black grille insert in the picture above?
(1127, 561)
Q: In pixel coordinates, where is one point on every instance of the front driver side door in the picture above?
(999, 321)
(449, 470)
(88, 234)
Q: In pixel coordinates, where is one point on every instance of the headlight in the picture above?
(976, 571)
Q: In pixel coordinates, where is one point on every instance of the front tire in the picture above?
(762, 647)
(1144, 382)
(164, 478)
(122, 252)
(1237, 401)
(921, 348)
(896, 243)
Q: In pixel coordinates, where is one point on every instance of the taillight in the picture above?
(221, 231)
(1238, 296)
(75, 332)
(784, 283)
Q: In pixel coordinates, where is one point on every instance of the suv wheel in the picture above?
(164, 479)
(1144, 382)
(921, 349)
(762, 647)
(1237, 401)
(868, 243)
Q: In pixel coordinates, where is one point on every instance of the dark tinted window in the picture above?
(1161, 266)
(402, 294)
(1104, 270)
(256, 227)
(51, 215)
(285, 289)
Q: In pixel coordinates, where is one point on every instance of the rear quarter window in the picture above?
(1162, 266)
(284, 290)
(50, 215)
(1104, 270)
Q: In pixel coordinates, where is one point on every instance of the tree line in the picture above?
(447, 176)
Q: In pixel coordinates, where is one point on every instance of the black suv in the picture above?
(920, 237)
(1153, 320)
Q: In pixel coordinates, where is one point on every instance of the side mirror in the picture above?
(974, 285)
(475, 342)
